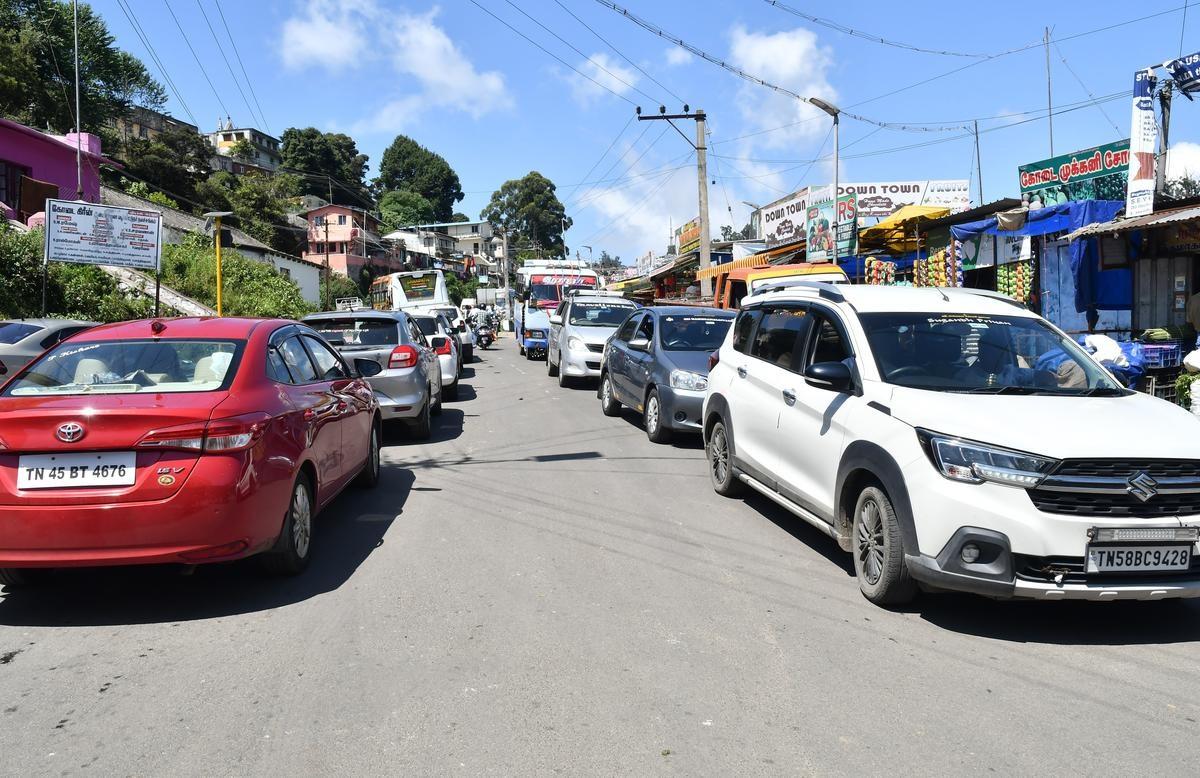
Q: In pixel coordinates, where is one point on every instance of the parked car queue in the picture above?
(202, 440)
(949, 440)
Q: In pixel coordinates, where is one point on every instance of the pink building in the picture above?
(35, 165)
(349, 237)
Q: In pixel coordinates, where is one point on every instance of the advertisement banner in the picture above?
(687, 237)
(783, 220)
(879, 200)
(1183, 239)
(1186, 73)
(1143, 136)
(819, 223)
(1098, 173)
(91, 234)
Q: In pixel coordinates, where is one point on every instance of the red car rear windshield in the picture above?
(131, 367)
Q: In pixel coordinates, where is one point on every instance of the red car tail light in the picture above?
(232, 434)
(443, 347)
(235, 433)
(713, 359)
(186, 437)
(402, 356)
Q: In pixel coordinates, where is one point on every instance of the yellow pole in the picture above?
(217, 232)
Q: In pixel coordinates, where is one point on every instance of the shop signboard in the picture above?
(880, 199)
(687, 237)
(1143, 136)
(1183, 239)
(783, 221)
(818, 226)
(1186, 73)
(1098, 173)
(91, 234)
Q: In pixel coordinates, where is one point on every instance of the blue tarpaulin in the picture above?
(1095, 289)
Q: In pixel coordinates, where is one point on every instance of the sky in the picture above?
(503, 87)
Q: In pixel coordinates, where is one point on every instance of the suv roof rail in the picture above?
(348, 303)
(997, 296)
(827, 290)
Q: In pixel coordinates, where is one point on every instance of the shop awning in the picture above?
(1149, 221)
(682, 263)
(896, 231)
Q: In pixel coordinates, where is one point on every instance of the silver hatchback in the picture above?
(409, 388)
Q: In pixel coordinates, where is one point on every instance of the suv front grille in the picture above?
(1046, 569)
(1110, 488)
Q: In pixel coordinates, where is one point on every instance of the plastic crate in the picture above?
(1157, 356)
(1161, 386)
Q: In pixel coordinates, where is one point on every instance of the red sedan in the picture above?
(179, 441)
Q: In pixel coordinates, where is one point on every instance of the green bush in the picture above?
(249, 288)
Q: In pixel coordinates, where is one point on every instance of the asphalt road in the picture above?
(541, 590)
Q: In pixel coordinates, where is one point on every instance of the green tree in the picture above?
(607, 262)
(176, 162)
(36, 68)
(336, 286)
(1183, 187)
(459, 289)
(402, 208)
(407, 164)
(325, 161)
(259, 203)
(142, 190)
(729, 233)
(458, 216)
(242, 149)
(530, 206)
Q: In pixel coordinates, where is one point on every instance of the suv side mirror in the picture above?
(367, 367)
(640, 344)
(834, 376)
(555, 319)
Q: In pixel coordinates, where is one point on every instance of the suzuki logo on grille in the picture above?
(1142, 486)
(70, 432)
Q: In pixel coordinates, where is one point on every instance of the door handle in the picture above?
(741, 372)
(789, 397)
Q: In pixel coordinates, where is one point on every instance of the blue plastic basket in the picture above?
(1162, 355)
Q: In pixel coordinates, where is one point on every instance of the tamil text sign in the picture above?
(90, 234)
(1098, 173)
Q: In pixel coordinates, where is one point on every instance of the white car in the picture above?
(440, 333)
(953, 439)
(579, 328)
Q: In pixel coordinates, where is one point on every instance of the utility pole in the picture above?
(834, 113)
(978, 162)
(1049, 94)
(706, 285)
(325, 222)
(504, 272)
(1164, 102)
(78, 117)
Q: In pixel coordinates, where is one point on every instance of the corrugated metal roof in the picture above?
(1149, 221)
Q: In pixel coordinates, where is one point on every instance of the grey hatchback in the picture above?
(21, 340)
(657, 364)
(409, 387)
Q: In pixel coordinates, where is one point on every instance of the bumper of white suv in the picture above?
(1026, 552)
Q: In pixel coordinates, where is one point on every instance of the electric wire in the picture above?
(228, 66)
(607, 228)
(1082, 85)
(145, 39)
(62, 81)
(618, 51)
(609, 148)
(199, 64)
(830, 24)
(616, 161)
(237, 55)
(549, 53)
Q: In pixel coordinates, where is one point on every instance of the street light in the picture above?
(833, 111)
(216, 217)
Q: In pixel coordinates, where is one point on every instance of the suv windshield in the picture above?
(985, 354)
(694, 332)
(342, 331)
(131, 367)
(598, 314)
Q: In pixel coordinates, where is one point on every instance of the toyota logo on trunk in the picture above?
(70, 432)
(1142, 486)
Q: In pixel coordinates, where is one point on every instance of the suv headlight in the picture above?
(964, 460)
(575, 344)
(685, 379)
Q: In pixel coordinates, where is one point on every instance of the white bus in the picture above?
(414, 289)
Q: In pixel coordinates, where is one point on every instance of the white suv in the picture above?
(954, 439)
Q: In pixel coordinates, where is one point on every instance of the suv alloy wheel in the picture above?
(879, 550)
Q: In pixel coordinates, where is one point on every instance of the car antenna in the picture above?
(942, 293)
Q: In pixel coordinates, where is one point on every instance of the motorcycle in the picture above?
(484, 335)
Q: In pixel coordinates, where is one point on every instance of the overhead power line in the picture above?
(199, 64)
(609, 148)
(617, 161)
(829, 23)
(550, 53)
(162, 69)
(1071, 70)
(241, 65)
(660, 32)
(618, 51)
(228, 66)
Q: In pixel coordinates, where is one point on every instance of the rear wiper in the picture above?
(1005, 390)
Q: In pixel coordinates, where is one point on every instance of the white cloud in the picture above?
(676, 56)
(605, 74)
(331, 35)
(1183, 159)
(792, 59)
(430, 67)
